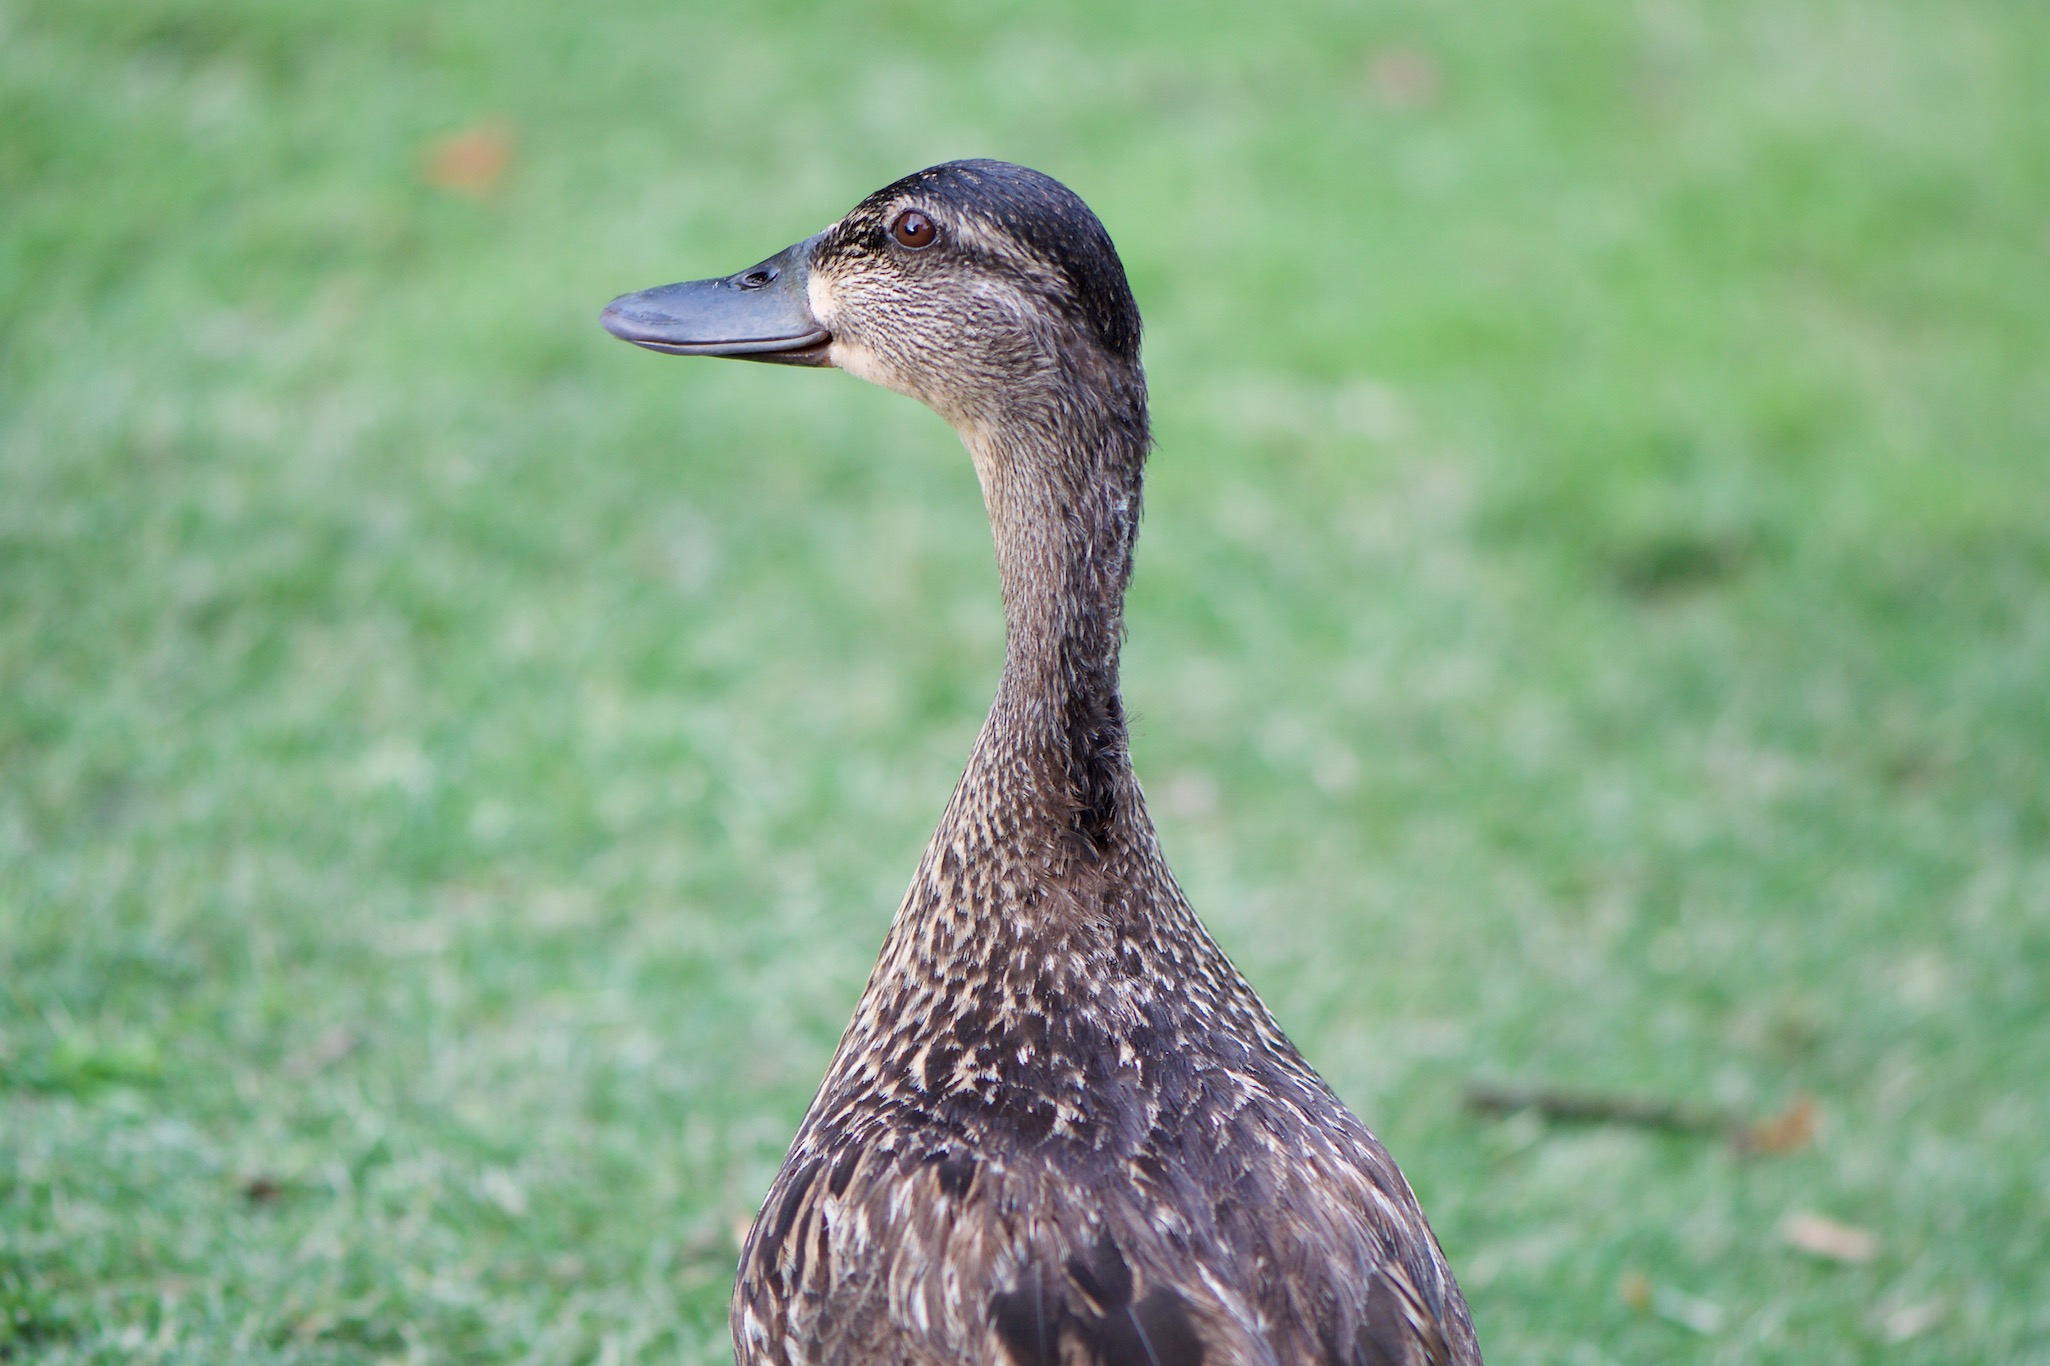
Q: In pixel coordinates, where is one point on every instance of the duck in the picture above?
(1062, 1129)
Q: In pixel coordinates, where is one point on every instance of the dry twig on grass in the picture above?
(1790, 1130)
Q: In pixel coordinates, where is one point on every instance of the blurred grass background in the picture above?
(1593, 626)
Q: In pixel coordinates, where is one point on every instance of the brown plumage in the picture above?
(1061, 1129)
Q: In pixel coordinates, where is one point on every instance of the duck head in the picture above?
(987, 291)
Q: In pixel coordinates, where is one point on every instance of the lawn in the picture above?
(1592, 630)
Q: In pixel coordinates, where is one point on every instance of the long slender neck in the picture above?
(1061, 482)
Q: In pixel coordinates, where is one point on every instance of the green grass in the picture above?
(1593, 626)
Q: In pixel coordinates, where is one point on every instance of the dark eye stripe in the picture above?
(913, 229)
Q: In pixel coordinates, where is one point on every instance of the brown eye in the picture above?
(913, 229)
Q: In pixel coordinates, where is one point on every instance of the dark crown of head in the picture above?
(1050, 221)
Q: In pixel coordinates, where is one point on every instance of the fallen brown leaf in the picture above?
(1404, 78)
(470, 162)
(1819, 1236)
(1634, 1289)
(1789, 1131)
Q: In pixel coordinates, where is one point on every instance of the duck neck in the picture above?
(1062, 487)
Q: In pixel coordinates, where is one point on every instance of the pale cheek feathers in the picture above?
(990, 319)
(848, 351)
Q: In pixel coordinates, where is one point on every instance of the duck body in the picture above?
(1061, 1128)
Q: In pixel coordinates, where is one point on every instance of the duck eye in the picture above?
(913, 229)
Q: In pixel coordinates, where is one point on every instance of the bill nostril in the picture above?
(756, 278)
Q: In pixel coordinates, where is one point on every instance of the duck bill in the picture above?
(762, 313)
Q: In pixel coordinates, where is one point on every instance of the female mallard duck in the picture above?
(1061, 1129)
